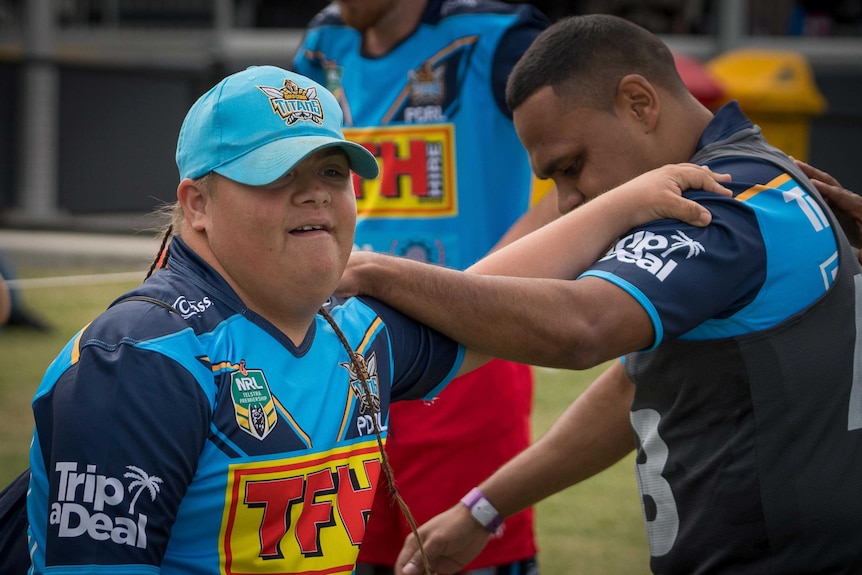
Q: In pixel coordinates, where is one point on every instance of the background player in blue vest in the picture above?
(422, 85)
(740, 378)
(219, 418)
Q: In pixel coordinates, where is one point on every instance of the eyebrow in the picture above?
(544, 172)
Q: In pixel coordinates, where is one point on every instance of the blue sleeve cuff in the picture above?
(639, 297)
(456, 365)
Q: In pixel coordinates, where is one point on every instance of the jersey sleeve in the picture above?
(514, 42)
(683, 275)
(118, 436)
(424, 360)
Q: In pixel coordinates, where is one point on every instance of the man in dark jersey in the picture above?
(740, 377)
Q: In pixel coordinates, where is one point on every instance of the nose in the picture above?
(568, 199)
(312, 192)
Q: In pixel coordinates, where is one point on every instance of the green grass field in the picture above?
(593, 528)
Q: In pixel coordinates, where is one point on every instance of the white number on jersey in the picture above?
(659, 506)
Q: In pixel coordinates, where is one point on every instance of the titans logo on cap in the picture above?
(293, 103)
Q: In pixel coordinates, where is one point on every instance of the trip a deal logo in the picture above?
(91, 505)
(300, 514)
(417, 171)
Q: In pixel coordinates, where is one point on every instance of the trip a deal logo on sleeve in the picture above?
(417, 171)
(299, 515)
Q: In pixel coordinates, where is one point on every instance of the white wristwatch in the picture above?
(482, 510)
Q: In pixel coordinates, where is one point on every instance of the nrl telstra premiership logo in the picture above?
(252, 401)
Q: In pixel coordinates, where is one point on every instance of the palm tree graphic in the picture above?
(141, 481)
(683, 241)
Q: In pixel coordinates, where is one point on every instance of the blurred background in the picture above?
(92, 92)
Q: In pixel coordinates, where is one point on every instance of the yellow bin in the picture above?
(776, 90)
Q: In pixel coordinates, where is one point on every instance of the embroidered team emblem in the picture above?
(293, 103)
(427, 85)
(252, 401)
(367, 401)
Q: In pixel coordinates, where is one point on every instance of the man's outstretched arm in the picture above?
(590, 436)
(571, 324)
(552, 322)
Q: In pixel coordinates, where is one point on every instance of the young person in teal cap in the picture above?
(227, 416)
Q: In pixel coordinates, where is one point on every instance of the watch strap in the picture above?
(482, 510)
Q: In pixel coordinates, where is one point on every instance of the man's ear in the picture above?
(637, 100)
(194, 201)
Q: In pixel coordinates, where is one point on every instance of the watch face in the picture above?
(483, 512)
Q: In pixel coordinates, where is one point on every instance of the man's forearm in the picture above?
(593, 434)
(519, 319)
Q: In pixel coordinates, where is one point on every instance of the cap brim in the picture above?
(271, 161)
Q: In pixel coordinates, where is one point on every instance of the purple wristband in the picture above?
(482, 510)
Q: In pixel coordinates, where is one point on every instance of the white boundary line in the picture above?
(63, 281)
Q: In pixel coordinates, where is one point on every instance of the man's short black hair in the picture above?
(585, 57)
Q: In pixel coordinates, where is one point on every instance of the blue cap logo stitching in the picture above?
(293, 103)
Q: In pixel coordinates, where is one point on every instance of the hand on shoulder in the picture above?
(846, 204)
(657, 194)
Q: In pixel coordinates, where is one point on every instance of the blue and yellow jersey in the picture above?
(454, 176)
(199, 439)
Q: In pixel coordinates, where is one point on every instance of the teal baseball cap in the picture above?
(256, 125)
